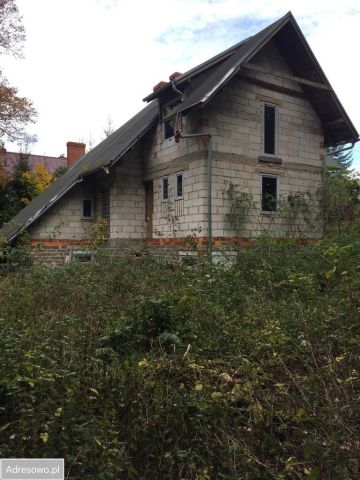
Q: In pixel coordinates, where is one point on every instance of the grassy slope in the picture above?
(139, 370)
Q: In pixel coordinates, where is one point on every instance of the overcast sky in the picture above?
(86, 60)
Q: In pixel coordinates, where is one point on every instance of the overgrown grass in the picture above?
(141, 370)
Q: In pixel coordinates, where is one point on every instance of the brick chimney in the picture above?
(74, 152)
(159, 86)
(174, 76)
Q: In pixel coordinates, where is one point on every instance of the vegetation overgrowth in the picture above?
(137, 369)
(21, 186)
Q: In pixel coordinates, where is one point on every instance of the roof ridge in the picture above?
(229, 51)
(216, 59)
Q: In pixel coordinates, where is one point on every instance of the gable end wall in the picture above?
(235, 121)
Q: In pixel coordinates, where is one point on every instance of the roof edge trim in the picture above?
(43, 209)
(133, 142)
(236, 68)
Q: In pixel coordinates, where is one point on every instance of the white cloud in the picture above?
(86, 59)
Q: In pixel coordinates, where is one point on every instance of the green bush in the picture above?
(142, 370)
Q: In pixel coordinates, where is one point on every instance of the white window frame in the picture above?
(276, 107)
(162, 188)
(91, 200)
(277, 178)
(179, 174)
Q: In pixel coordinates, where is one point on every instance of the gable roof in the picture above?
(106, 154)
(234, 53)
(201, 83)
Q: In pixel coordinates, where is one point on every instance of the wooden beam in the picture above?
(284, 76)
(272, 86)
(334, 123)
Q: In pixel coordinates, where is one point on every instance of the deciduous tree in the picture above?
(15, 111)
(24, 185)
(4, 177)
(343, 200)
(109, 127)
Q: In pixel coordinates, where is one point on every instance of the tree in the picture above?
(342, 154)
(59, 172)
(109, 127)
(24, 185)
(343, 200)
(15, 111)
(4, 204)
(42, 178)
(4, 177)
(12, 190)
(12, 34)
(27, 184)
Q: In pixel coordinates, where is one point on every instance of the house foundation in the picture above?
(224, 249)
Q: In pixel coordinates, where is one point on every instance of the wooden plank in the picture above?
(334, 123)
(272, 86)
(284, 76)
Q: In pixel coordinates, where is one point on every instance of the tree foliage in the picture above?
(342, 209)
(342, 154)
(60, 171)
(16, 112)
(21, 187)
(12, 33)
(109, 127)
(4, 177)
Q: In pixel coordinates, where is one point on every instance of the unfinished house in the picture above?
(228, 151)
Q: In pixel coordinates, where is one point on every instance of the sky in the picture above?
(88, 61)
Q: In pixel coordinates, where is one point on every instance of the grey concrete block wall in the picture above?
(181, 215)
(127, 198)
(234, 117)
(63, 221)
(235, 121)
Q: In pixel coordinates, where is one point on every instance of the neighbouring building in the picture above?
(75, 150)
(232, 149)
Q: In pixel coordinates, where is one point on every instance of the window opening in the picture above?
(179, 186)
(165, 188)
(269, 129)
(169, 125)
(269, 193)
(87, 208)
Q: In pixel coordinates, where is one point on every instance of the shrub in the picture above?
(139, 370)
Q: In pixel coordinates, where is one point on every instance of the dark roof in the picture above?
(201, 83)
(218, 60)
(106, 154)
